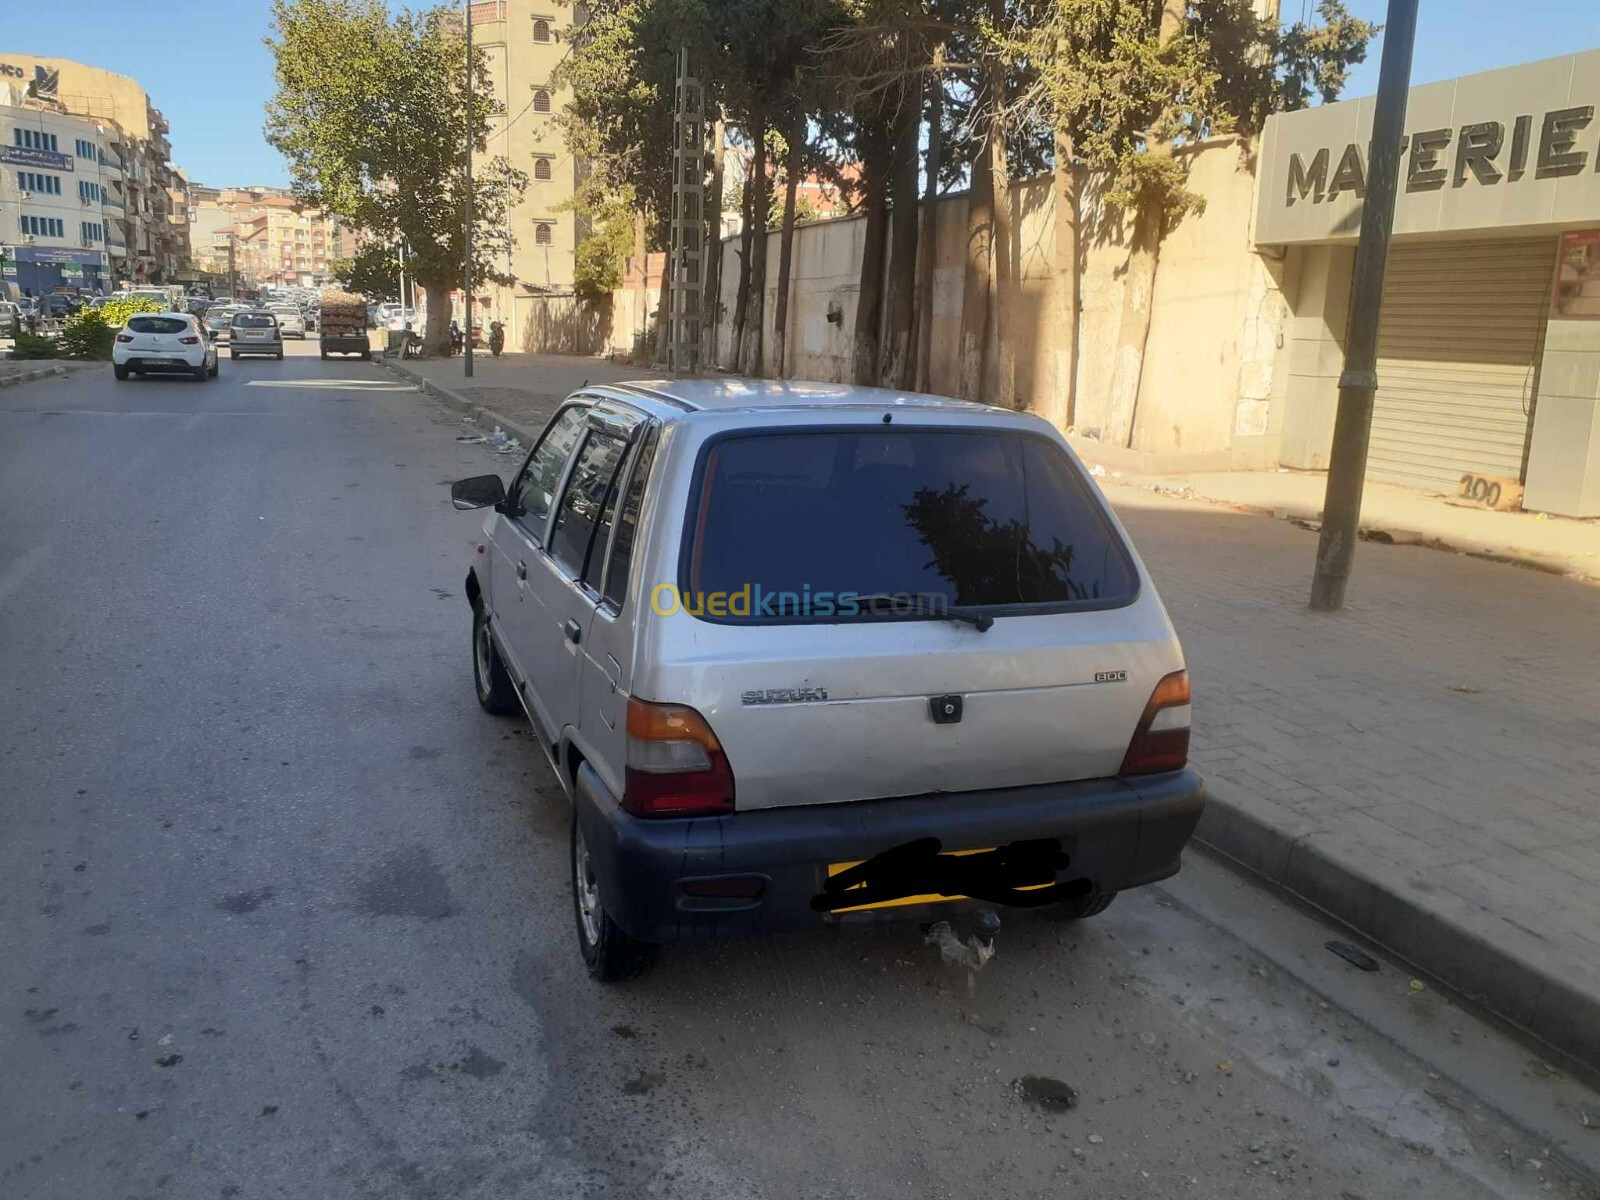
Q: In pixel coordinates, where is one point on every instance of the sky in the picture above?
(214, 89)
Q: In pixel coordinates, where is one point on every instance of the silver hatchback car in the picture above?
(808, 653)
(254, 331)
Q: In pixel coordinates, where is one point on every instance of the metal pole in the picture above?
(467, 341)
(403, 304)
(233, 273)
(1352, 428)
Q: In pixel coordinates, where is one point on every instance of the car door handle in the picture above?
(522, 569)
(574, 631)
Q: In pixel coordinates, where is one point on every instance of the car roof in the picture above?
(741, 394)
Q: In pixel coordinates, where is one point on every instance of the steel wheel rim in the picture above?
(482, 658)
(587, 890)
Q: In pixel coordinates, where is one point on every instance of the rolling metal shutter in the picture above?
(1458, 350)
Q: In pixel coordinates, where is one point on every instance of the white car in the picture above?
(291, 321)
(168, 341)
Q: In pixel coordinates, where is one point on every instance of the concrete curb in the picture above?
(1489, 960)
(457, 401)
(29, 376)
(1311, 517)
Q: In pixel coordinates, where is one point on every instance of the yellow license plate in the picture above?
(926, 898)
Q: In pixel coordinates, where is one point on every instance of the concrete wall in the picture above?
(1217, 319)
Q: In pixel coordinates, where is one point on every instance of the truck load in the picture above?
(343, 320)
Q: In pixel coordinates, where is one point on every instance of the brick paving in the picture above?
(1443, 733)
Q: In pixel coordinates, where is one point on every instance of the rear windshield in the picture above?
(157, 324)
(255, 320)
(987, 519)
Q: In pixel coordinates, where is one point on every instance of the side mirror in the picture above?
(478, 492)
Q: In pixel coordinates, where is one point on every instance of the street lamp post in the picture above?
(1358, 385)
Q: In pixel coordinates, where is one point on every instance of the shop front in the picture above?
(1489, 337)
(40, 270)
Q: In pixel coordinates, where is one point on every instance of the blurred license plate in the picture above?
(161, 362)
(1024, 877)
(254, 333)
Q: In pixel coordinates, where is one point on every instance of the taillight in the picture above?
(190, 341)
(123, 337)
(1161, 742)
(675, 765)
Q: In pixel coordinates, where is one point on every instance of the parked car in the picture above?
(254, 331)
(160, 342)
(808, 653)
(218, 320)
(11, 320)
(291, 321)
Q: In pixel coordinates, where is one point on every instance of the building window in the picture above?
(541, 30)
(33, 139)
(541, 100)
(87, 150)
(93, 231)
(541, 168)
(44, 185)
(43, 226)
(88, 191)
(541, 234)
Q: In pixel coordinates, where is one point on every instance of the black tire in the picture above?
(216, 368)
(278, 356)
(610, 953)
(201, 374)
(233, 354)
(496, 692)
(119, 371)
(1083, 907)
(324, 354)
(366, 356)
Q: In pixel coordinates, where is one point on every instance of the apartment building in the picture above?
(524, 41)
(273, 241)
(60, 206)
(146, 240)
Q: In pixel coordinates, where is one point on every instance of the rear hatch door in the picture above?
(807, 631)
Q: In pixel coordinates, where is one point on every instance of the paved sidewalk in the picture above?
(1558, 544)
(520, 390)
(1423, 765)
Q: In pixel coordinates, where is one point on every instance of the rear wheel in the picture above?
(324, 354)
(278, 356)
(216, 366)
(119, 370)
(1083, 907)
(200, 373)
(497, 694)
(233, 354)
(610, 953)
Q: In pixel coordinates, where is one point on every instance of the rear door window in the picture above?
(616, 583)
(157, 325)
(981, 518)
(254, 321)
(584, 500)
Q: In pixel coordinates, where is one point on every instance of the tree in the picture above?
(1127, 84)
(372, 113)
(374, 271)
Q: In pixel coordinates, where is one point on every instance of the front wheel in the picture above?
(610, 953)
(497, 694)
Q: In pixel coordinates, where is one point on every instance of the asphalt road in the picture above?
(283, 914)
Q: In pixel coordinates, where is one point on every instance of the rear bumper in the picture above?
(173, 362)
(1117, 833)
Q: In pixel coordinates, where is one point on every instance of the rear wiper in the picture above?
(926, 607)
